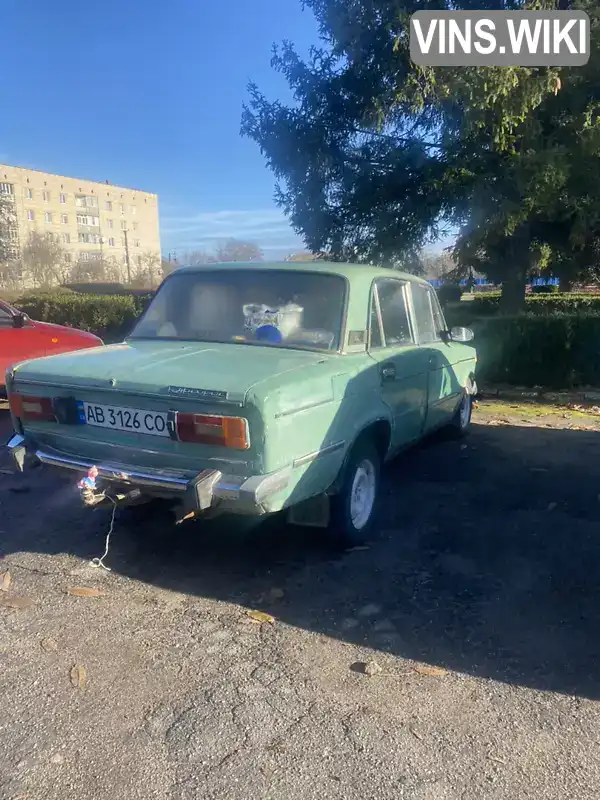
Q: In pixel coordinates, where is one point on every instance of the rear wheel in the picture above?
(353, 509)
(461, 422)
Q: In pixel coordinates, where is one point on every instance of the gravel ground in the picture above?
(477, 599)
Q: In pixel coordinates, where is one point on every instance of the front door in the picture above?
(401, 363)
(445, 381)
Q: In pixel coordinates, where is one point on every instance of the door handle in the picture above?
(388, 372)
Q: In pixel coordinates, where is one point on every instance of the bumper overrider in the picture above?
(208, 489)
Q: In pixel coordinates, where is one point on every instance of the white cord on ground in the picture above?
(98, 562)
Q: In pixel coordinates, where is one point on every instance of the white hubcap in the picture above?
(465, 411)
(362, 494)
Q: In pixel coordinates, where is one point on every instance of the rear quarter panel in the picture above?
(312, 419)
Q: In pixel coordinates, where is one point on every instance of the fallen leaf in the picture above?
(261, 616)
(78, 676)
(430, 672)
(85, 591)
(552, 506)
(417, 735)
(5, 581)
(49, 644)
(16, 602)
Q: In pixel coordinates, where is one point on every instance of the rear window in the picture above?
(248, 306)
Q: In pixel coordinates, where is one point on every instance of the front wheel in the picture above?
(353, 509)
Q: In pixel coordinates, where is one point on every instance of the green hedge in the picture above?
(540, 303)
(110, 317)
(554, 350)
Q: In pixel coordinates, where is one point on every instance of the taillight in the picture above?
(36, 408)
(203, 429)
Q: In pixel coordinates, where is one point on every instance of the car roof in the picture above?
(350, 271)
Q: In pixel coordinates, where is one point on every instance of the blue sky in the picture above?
(149, 94)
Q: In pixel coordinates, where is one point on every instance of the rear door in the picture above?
(442, 357)
(402, 364)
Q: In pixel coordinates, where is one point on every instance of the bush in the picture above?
(449, 293)
(550, 350)
(109, 316)
(540, 304)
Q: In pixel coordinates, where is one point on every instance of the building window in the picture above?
(67, 256)
(84, 219)
(46, 196)
(122, 209)
(123, 241)
(64, 219)
(109, 205)
(109, 222)
(6, 188)
(136, 242)
(139, 261)
(123, 225)
(28, 194)
(48, 216)
(13, 235)
(66, 238)
(84, 256)
(134, 210)
(63, 198)
(111, 242)
(30, 215)
(135, 226)
(86, 201)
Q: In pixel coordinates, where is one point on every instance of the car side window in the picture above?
(5, 318)
(427, 326)
(438, 314)
(394, 315)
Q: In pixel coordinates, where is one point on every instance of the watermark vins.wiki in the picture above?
(500, 38)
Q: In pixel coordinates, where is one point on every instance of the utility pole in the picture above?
(127, 263)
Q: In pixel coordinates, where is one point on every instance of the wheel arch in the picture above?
(379, 430)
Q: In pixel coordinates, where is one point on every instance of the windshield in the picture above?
(265, 307)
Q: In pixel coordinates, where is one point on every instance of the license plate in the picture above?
(123, 419)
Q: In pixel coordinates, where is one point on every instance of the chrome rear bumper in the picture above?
(245, 495)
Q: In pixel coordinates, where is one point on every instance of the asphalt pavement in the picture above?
(475, 606)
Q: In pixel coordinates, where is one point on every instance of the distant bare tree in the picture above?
(148, 269)
(97, 270)
(302, 255)
(238, 250)
(8, 228)
(195, 258)
(438, 265)
(167, 267)
(43, 259)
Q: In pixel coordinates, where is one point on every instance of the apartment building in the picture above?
(92, 221)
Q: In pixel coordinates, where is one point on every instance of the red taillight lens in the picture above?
(203, 429)
(36, 408)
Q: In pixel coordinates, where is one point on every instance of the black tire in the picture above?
(344, 526)
(461, 422)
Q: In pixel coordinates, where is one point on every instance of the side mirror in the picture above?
(20, 320)
(461, 334)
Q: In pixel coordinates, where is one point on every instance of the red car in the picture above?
(22, 338)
